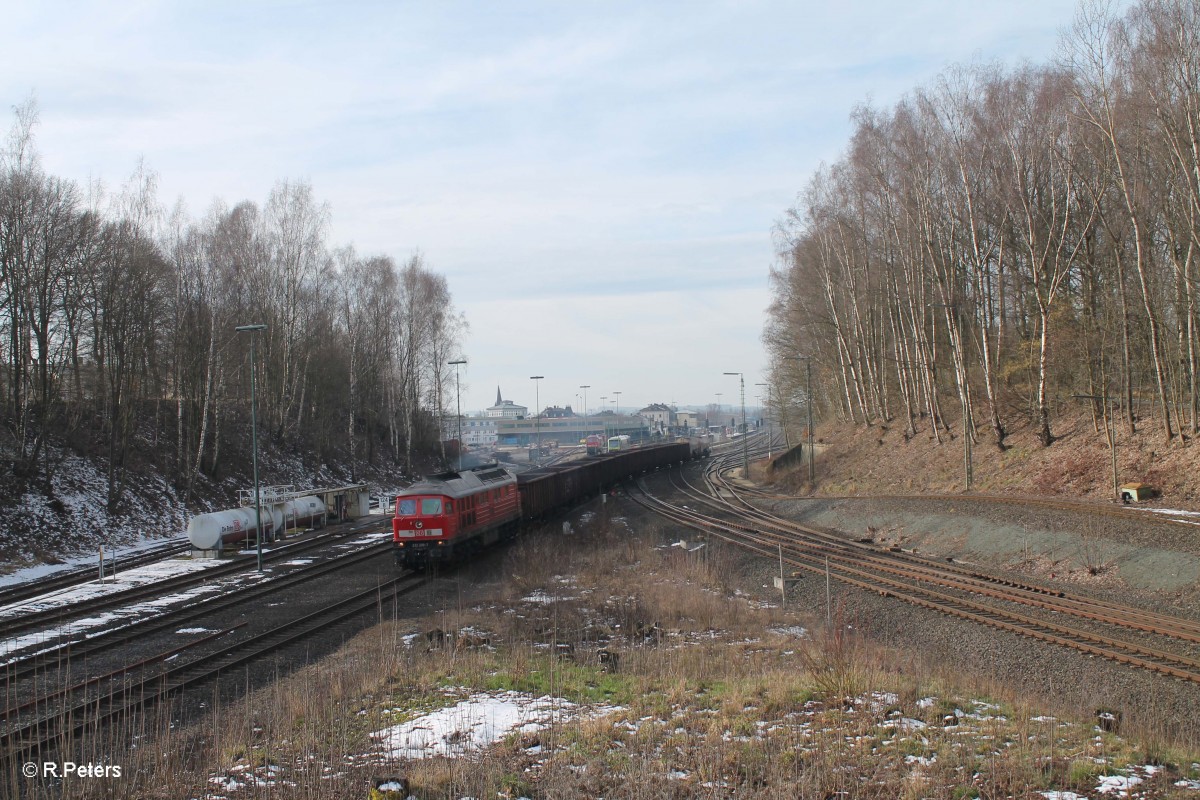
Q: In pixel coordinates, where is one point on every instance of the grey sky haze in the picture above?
(597, 180)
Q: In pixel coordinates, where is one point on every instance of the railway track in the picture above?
(19, 621)
(76, 576)
(1148, 640)
(72, 650)
(39, 710)
(114, 564)
(50, 721)
(973, 579)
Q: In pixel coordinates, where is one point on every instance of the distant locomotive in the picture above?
(618, 443)
(595, 444)
(453, 515)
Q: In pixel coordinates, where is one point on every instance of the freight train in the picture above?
(454, 515)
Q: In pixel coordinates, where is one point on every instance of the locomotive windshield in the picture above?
(428, 507)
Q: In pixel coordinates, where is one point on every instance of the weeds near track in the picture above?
(699, 690)
(836, 661)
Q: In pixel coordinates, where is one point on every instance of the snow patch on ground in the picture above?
(1172, 511)
(75, 520)
(33, 573)
(10, 649)
(795, 631)
(541, 598)
(473, 724)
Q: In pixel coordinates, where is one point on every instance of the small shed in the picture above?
(1136, 492)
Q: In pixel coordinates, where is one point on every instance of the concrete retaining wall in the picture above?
(789, 458)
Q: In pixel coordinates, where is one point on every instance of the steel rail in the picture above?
(58, 615)
(981, 582)
(75, 649)
(1114, 649)
(74, 577)
(88, 715)
(41, 701)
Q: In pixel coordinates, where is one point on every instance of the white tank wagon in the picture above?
(308, 511)
(218, 528)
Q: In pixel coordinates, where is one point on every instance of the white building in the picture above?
(476, 431)
(660, 417)
(505, 409)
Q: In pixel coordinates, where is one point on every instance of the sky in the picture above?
(598, 181)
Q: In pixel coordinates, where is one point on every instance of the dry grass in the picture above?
(712, 697)
(880, 460)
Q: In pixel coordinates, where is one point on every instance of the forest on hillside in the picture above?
(118, 335)
(1010, 242)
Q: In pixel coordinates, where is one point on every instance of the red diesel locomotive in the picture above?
(454, 514)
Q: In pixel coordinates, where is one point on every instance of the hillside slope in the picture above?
(878, 460)
(73, 519)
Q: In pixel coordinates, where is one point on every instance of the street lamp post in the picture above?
(1110, 430)
(616, 413)
(458, 408)
(253, 329)
(586, 427)
(537, 383)
(745, 433)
